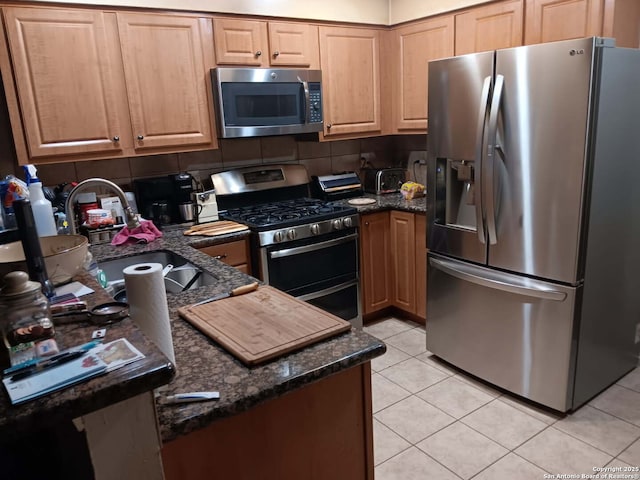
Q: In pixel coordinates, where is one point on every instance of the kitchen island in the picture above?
(315, 403)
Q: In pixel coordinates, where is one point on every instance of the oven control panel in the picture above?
(308, 230)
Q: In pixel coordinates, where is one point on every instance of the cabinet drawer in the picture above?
(232, 253)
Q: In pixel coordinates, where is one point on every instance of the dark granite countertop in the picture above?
(390, 201)
(131, 380)
(203, 366)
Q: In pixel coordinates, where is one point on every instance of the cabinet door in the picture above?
(374, 261)
(164, 67)
(552, 20)
(415, 46)
(350, 79)
(421, 266)
(293, 45)
(241, 42)
(490, 27)
(67, 86)
(234, 253)
(403, 256)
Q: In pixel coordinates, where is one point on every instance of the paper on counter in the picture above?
(76, 288)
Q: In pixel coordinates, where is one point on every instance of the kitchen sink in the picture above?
(182, 277)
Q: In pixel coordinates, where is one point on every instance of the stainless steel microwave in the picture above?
(254, 102)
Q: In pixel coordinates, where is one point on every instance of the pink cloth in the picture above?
(145, 233)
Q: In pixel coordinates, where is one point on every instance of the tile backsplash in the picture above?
(320, 158)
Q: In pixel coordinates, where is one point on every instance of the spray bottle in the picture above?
(42, 210)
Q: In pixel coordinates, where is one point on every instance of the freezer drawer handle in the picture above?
(463, 274)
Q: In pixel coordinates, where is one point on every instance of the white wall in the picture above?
(404, 10)
(361, 11)
(379, 12)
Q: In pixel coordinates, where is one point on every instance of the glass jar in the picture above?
(26, 317)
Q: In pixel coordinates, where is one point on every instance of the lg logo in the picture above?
(576, 52)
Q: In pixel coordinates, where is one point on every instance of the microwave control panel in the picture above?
(315, 101)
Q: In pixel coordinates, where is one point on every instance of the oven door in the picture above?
(322, 270)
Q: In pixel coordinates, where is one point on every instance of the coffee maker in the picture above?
(166, 199)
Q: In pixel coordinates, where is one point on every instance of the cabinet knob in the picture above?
(258, 53)
(220, 257)
(329, 126)
(140, 137)
(276, 53)
(116, 138)
(366, 224)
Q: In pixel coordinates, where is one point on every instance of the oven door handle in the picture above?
(328, 291)
(287, 252)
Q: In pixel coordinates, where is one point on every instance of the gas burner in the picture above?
(286, 213)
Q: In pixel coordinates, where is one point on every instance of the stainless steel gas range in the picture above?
(303, 246)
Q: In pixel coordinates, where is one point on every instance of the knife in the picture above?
(233, 293)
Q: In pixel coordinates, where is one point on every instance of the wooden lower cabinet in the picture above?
(374, 261)
(421, 266)
(321, 431)
(393, 262)
(402, 232)
(234, 253)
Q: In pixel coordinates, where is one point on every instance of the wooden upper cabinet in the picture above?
(66, 81)
(241, 42)
(490, 27)
(553, 20)
(263, 44)
(414, 47)
(293, 45)
(165, 72)
(350, 59)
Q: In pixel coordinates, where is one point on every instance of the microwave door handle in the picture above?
(477, 172)
(307, 100)
(491, 160)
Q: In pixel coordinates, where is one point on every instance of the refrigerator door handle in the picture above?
(477, 175)
(501, 281)
(491, 160)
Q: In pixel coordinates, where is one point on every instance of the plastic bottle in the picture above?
(42, 209)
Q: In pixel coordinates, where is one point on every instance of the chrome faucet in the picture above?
(132, 218)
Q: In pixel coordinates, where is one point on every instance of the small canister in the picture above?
(86, 201)
(26, 318)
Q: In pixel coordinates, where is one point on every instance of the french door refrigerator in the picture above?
(533, 207)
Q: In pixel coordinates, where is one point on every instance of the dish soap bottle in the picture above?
(42, 210)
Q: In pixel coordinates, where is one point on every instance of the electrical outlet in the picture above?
(637, 333)
(422, 161)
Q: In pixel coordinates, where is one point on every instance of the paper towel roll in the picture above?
(148, 304)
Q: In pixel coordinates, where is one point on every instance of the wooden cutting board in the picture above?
(216, 228)
(263, 324)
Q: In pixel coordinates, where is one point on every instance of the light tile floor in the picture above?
(432, 421)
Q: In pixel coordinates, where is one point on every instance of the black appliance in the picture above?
(304, 246)
(252, 102)
(158, 198)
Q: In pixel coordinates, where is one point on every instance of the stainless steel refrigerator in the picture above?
(533, 208)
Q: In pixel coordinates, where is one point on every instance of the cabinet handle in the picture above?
(220, 257)
(258, 53)
(116, 138)
(366, 224)
(140, 137)
(329, 126)
(276, 53)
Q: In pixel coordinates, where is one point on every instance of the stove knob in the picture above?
(291, 234)
(348, 223)
(337, 224)
(278, 237)
(315, 229)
